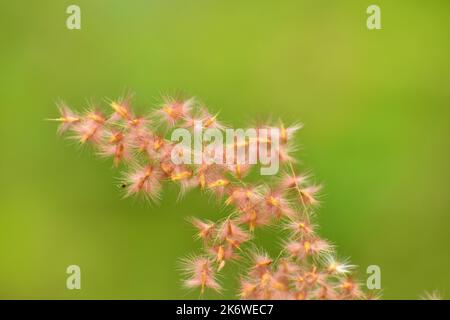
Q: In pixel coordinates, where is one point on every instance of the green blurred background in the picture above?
(375, 106)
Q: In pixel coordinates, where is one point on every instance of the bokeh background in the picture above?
(375, 105)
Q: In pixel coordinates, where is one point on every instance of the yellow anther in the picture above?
(121, 110)
(273, 201)
(181, 176)
(210, 121)
(157, 144)
(283, 134)
(248, 290)
(220, 254)
(218, 183)
(307, 246)
(68, 119)
(168, 110)
(95, 117)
